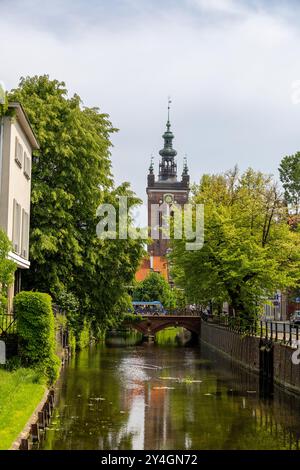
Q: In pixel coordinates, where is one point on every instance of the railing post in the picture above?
(284, 336)
(276, 331)
(266, 333)
(261, 328)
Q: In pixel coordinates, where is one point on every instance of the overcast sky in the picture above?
(228, 65)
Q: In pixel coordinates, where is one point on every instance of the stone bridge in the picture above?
(149, 325)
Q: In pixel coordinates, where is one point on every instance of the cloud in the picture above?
(229, 67)
(232, 7)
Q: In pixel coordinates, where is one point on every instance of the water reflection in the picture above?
(149, 397)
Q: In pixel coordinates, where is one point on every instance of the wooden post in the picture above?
(35, 432)
(24, 444)
(47, 412)
(51, 402)
(41, 419)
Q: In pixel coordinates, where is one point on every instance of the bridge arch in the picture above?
(151, 325)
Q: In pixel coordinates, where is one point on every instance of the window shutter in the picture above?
(16, 226)
(25, 234)
(27, 166)
(18, 153)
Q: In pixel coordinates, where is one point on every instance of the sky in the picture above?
(231, 68)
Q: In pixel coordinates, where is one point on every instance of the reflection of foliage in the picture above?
(200, 415)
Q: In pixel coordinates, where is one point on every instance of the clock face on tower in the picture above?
(168, 198)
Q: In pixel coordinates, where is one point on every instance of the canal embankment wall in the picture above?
(246, 350)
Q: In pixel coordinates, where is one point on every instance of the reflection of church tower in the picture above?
(166, 189)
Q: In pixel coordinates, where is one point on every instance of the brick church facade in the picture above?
(163, 192)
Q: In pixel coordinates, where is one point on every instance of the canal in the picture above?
(167, 397)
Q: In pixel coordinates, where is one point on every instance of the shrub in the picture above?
(132, 318)
(36, 331)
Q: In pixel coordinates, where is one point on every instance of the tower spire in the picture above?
(167, 166)
(168, 122)
(151, 167)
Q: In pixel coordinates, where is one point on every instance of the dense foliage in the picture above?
(71, 176)
(155, 287)
(35, 327)
(249, 249)
(7, 269)
(289, 171)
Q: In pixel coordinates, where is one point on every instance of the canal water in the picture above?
(166, 397)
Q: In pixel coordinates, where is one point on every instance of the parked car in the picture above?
(295, 318)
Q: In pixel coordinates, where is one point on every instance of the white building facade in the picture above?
(17, 142)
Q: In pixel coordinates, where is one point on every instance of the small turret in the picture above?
(185, 173)
(151, 176)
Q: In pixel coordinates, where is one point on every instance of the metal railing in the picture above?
(8, 324)
(281, 332)
(236, 324)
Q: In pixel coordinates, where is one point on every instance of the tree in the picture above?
(7, 269)
(289, 171)
(249, 250)
(71, 177)
(154, 287)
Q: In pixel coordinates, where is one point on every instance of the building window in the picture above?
(16, 227)
(25, 234)
(27, 166)
(18, 153)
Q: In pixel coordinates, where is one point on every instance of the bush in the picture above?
(132, 318)
(84, 336)
(36, 331)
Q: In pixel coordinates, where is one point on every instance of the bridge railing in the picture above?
(184, 312)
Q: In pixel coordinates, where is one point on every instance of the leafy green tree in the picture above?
(289, 171)
(72, 163)
(155, 287)
(7, 269)
(249, 250)
(71, 177)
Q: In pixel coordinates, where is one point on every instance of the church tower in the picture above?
(166, 189)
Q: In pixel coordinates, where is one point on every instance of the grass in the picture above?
(20, 393)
